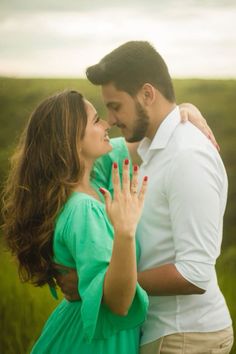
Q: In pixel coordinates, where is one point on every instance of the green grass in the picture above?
(226, 272)
(23, 308)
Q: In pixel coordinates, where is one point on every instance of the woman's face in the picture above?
(96, 141)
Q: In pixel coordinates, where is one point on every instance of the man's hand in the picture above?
(67, 280)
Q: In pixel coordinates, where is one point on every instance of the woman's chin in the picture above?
(108, 147)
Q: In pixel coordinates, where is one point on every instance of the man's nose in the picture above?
(111, 119)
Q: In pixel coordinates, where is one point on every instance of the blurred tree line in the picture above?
(215, 98)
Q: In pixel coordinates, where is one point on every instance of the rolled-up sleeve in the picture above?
(196, 203)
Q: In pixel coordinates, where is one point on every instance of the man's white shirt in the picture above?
(182, 224)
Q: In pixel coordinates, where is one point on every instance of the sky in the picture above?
(55, 38)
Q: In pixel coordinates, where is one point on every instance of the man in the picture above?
(180, 231)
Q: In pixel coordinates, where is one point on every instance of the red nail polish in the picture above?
(145, 178)
(115, 165)
(126, 161)
(135, 168)
(102, 191)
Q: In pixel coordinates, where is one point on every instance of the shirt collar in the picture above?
(162, 135)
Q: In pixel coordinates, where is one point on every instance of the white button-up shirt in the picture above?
(182, 224)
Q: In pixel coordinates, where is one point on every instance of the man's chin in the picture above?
(132, 139)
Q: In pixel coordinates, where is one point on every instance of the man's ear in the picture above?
(147, 94)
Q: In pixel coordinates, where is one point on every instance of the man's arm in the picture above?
(194, 191)
(67, 280)
(166, 280)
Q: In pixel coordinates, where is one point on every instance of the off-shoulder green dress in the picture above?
(83, 240)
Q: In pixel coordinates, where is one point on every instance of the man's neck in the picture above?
(160, 113)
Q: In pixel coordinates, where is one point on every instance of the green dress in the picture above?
(83, 240)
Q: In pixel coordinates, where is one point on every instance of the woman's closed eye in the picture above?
(97, 119)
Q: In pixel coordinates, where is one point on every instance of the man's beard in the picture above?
(140, 125)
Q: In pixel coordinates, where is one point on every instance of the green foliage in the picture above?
(215, 98)
(24, 308)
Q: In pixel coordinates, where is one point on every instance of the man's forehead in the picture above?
(111, 94)
(109, 89)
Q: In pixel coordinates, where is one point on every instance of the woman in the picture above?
(54, 213)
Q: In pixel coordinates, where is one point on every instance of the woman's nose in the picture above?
(106, 124)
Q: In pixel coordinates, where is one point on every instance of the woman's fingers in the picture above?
(107, 197)
(116, 180)
(125, 177)
(204, 127)
(143, 189)
(134, 182)
(127, 187)
(213, 139)
(183, 116)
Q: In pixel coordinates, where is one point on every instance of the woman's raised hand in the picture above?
(125, 209)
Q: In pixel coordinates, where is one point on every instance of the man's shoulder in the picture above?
(189, 144)
(187, 136)
(190, 149)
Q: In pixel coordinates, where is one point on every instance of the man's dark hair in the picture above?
(132, 65)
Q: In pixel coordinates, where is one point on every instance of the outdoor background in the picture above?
(45, 46)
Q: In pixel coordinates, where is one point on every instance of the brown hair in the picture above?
(132, 65)
(44, 169)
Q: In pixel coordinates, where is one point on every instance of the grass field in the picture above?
(23, 309)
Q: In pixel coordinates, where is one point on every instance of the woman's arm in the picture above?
(124, 211)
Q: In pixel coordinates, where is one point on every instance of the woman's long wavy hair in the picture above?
(44, 169)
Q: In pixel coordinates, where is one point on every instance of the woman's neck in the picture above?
(84, 184)
(85, 180)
